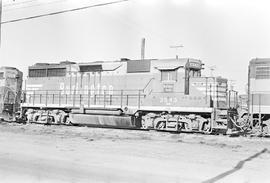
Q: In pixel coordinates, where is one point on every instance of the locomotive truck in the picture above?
(161, 94)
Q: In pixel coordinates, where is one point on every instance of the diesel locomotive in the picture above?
(161, 94)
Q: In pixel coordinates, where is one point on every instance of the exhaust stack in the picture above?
(143, 49)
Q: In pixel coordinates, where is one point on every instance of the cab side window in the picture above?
(168, 75)
(1, 75)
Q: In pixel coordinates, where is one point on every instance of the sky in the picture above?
(224, 34)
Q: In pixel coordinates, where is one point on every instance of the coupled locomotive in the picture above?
(162, 94)
(10, 92)
(259, 94)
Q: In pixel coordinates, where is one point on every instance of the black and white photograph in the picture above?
(134, 91)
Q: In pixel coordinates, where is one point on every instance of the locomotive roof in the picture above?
(64, 63)
(260, 61)
(9, 68)
(179, 62)
(61, 64)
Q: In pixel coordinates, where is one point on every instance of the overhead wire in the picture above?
(130, 24)
(18, 3)
(34, 5)
(63, 11)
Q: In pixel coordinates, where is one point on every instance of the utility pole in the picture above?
(232, 83)
(176, 47)
(0, 19)
(212, 69)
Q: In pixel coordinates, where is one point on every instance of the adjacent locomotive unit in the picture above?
(259, 93)
(164, 94)
(10, 92)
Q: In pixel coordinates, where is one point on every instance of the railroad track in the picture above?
(236, 134)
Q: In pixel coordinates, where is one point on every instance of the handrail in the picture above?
(82, 90)
(122, 99)
(148, 84)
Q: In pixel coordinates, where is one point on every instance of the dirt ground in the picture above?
(39, 153)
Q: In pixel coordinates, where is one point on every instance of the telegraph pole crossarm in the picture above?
(176, 47)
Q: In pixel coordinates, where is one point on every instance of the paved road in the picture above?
(36, 153)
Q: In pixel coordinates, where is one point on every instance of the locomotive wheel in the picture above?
(266, 129)
(144, 126)
(67, 121)
(161, 125)
(206, 128)
(36, 118)
(244, 123)
(146, 123)
(256, 128)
